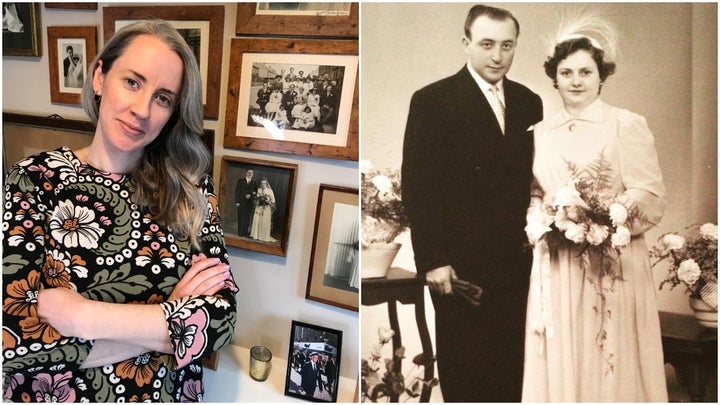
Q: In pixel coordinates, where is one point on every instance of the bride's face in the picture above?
(578, 80)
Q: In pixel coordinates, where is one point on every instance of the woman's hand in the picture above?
(205, 277)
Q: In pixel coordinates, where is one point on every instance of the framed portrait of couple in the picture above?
(256, 198)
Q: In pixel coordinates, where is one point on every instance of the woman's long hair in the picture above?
(167, 178)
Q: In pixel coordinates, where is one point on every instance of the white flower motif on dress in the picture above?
(75, 226)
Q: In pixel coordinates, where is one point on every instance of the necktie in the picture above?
(498, 107)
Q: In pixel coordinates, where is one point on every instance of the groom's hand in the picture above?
(440, 280)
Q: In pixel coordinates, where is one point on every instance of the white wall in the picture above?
(667, 72)
(272, 288)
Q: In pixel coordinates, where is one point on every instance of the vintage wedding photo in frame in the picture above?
(22, 31)
(256, 198)
(71, 51)
(293, 96)
(319, 345)
(202, 28)
(334, 276)
(318, 19)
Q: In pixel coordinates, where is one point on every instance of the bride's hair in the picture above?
(570, 46)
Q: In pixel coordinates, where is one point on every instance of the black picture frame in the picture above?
(281, 178)
(24, 39)
(307, 339)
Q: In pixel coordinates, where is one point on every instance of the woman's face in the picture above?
(139, 94)
(578, 80)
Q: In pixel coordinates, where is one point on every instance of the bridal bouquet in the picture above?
(383, 216)
(381, 378)
(693, 260)
(584, 214)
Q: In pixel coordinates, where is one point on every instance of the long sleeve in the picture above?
(640, 170)
(199, 325)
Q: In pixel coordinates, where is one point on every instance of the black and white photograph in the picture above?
(71, 49)
(21, 29)
(256, 198)
(515, 105)
(313, 362)
(295, 96)
(304, 8)
(334, 274)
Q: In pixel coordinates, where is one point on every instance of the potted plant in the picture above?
(383, 218)
(692, 259)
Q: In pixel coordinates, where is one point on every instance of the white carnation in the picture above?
(621, 237)
(597, 234)
(673, 241)
(709, 231)
(382, 183)
(576, 232)
(618, 214)
(688, 272)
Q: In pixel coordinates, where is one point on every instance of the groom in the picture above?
(467, 169)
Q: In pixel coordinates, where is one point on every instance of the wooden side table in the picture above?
(400, 285)
(691, 349)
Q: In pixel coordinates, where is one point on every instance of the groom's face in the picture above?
(491, 47)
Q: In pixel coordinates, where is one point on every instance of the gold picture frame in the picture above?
(24, 38)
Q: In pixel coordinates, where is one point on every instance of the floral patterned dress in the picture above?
(588, 349)
(69, 225)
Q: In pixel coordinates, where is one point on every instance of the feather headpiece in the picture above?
(589, 22)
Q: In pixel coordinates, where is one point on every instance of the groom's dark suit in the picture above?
(466, 189)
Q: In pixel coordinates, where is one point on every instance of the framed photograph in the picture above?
(202, 28)
(313, 362)
(256, 198)
(318, 19)
(334, 275)
(293, 96)
(21, 29)
(71, 51)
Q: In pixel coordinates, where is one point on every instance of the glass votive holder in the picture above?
(260, 357)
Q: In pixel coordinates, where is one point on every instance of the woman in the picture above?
(264, 208)
(119, 244)
(74, 76)
(590, 336)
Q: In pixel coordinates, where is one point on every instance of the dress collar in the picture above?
(595, 112)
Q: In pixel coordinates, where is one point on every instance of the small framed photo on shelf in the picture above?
(71, 51)
(316, 19)
(256, 198)
(293, 96)
(313, 362)
(22, 31)
(334, 276)
(200, 26)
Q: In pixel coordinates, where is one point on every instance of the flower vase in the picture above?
(376, 258)
(704, 313)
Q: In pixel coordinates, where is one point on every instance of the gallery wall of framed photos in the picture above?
(272, 286)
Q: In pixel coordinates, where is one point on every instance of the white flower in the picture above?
(688, 272)
(576, 232)
(673, 241)
(74, 226)
(621, 237)
(568, 196)
(366, 166)
(385, 334)
(709, 231)
(382, 183)
(538, 224)
(618, 214)
(597, 234)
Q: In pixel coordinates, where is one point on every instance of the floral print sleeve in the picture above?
(69, 225)
(191, 320)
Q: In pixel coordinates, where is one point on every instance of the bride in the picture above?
(262, 217)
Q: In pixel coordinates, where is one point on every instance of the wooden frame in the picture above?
(323, 24)
(334, 275)
(65, 86)
(54, 131)
(72, 6)
(252, 61)
(27, 40)
(184, 17)
(306, 339)
(237, 203)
